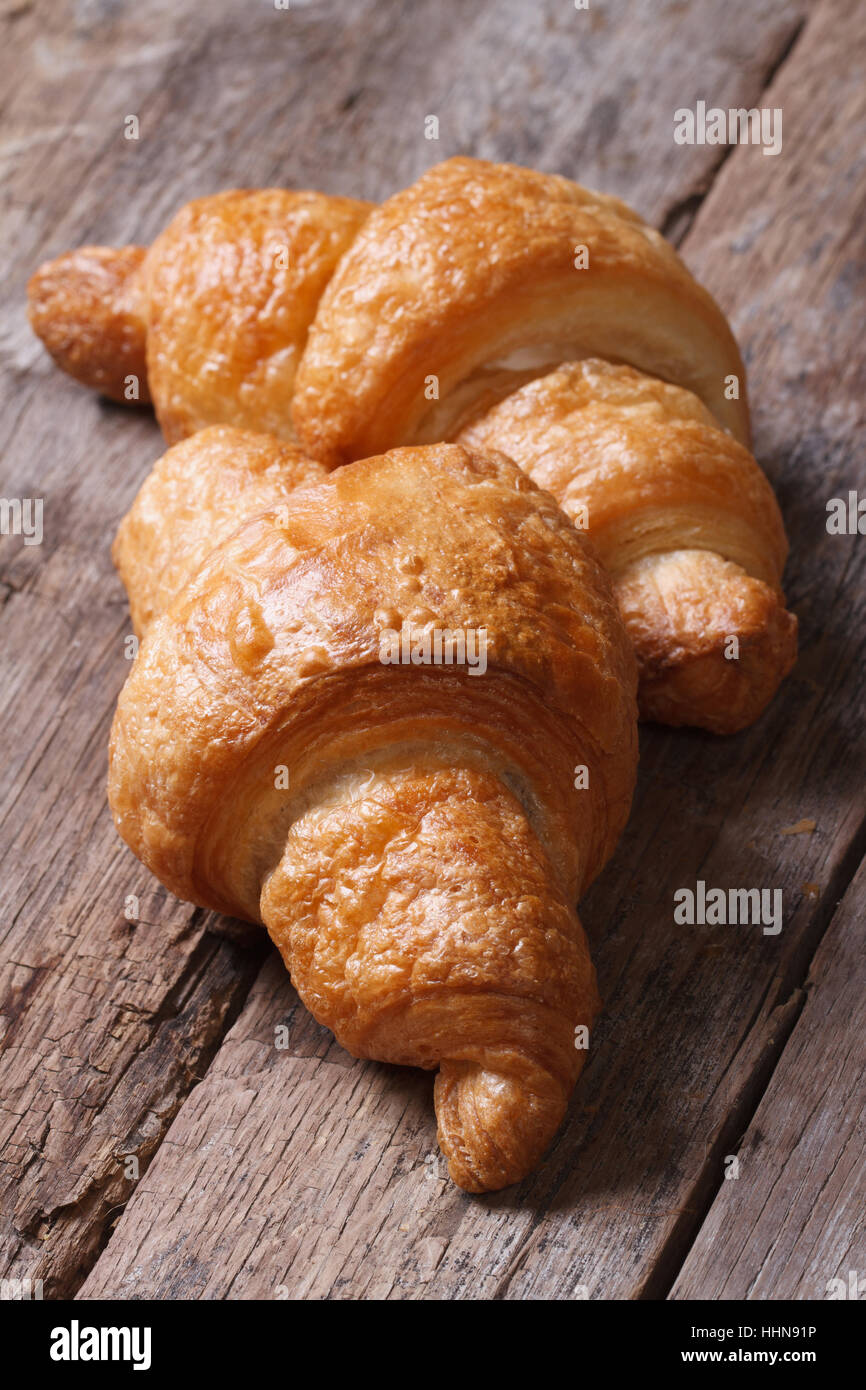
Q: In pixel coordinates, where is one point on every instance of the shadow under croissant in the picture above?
(567, 1172)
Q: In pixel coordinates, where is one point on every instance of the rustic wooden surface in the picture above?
(801, 1169)
(294, 1173)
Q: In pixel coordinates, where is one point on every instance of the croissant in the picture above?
(481, 276)
(682, 518)
(418, 874)
(448, 312)
(210, 322)
(477, 277)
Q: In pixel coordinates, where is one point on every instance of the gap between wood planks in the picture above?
(679, 219)
(674, 1252)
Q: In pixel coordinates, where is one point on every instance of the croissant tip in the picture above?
(493, 1127)
(83, 306)
(707, 691)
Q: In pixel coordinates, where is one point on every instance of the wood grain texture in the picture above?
(795, 1218)
(302, 1171)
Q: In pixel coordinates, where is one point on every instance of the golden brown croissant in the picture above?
(465, 290)
(212, 319)
(682, 518)
(481, 276)
(477, 277)
(419, 872)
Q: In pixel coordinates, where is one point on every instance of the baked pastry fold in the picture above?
(212, 319)
(196, 495)
(682, 518)
(460, 288)
(418, 872)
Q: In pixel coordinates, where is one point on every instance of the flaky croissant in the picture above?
(210, 322)
(452, 307)
(477, 277)
(419, 873)
(682, 518)
(481, 276)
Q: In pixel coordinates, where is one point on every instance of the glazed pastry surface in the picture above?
(212, 319)
(233, 286)
(419, 871)
(197, 494)
(466, 284)
(682, 518)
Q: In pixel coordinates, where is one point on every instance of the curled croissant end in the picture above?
(88, 308)
(211, 319)
(442, 935)
(683, 519)
(494, 1126)
(712, 643)
(480, 276)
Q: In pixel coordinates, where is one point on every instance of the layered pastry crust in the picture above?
(683, 519)
(233, 284)
(463, 286)
(198, 493)
(419, 868)
(211, 320)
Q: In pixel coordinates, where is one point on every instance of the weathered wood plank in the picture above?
(104, 1022)
(335, 96)
(794, 1219)
(315, 1179)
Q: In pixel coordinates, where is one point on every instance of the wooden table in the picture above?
(154, 1142)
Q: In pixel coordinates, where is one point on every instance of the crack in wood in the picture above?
(680, 216)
